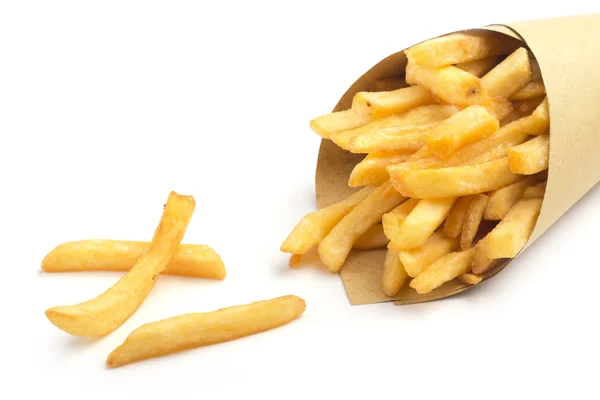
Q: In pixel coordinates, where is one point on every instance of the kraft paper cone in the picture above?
(567, 51)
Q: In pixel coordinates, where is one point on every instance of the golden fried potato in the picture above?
(458, 48)
(336, 246)
(193, 330)
(295, 260)
(314, 226)
(481, 262)
(392, 220)
(511, 234)
(193, 260)
(510, 76)
(449, 84)
(328, 124)
(503, 199)
(473, 219)
(453, 181)
(470, 279)
(443, 270)
(535, 191)
(481, 66)
(456, 217)
(530, 157)
(377, 105)
(394, 275)
(530, 91)
(106, 312)
(371, 170)
(437, 245)
(402, 137)
(465, 127)
(420, 224)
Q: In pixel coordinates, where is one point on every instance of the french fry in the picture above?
(193, 260)
(500, 108)
(336, 246)
(527, 106)
(194, 330)
(509, 76)
(481, 262)
(443, 270)
(389, 84)
(470, 279)
(453, 181)
(420, 224)
(377, 105)
(371, 170)
(437, 245)
(492, 148)
(326, 125)
(529, 91)
(530, 157)
(465, 127)
(449, 84)
(295, 260)
(473, 219)
(106, 312)
(456, 217)
(402, 137)
(394, 275)
(314, 226)
(503, 199)
(392, 220)
(535, 191)
(511, 234)
(373, 238)
(420, 119)
(481, 66)
(458, 48)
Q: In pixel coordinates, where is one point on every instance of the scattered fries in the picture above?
(194, 330)
(458, 149)
(106, 312)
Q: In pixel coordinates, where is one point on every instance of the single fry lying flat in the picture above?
(420, 224)
(192, 260)
(443, 270)
(470, 279)
(530, 157)
(194, 330)
(313, 227)
(334, 248)
(511, 234)
(106, 312)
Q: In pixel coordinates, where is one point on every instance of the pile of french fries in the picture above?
(143, 263)
(455, 167)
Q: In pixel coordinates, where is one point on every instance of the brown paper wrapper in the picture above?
(568, 53)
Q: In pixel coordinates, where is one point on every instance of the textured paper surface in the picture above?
(568, 53)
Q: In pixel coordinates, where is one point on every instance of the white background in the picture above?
(105, 107)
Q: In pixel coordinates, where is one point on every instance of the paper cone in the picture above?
(568, 53)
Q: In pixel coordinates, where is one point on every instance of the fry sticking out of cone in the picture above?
(465, 148)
